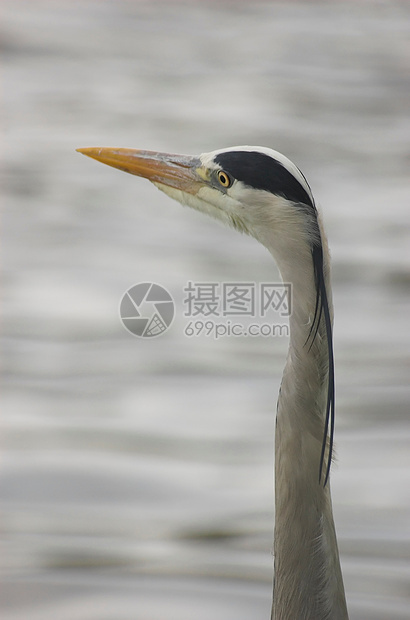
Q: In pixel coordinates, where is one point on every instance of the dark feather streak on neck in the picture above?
(322, 308)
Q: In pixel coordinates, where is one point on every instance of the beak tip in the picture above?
(91, 151)
(83, 151)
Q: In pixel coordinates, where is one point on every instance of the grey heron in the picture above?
(260, 192)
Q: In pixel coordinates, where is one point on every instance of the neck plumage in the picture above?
(308, 583)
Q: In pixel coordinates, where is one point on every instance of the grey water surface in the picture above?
(136, 474)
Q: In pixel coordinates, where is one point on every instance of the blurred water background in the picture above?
(136, 475)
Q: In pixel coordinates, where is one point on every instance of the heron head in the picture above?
(254, 189)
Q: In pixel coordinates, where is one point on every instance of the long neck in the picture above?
(308, 582)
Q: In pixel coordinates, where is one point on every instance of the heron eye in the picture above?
(224, 179)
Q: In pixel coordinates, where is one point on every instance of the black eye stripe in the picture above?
(260, 171)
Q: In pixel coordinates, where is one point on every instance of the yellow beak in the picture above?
(178, 171)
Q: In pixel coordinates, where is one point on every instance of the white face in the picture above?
(245, 208)
(223, 206)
